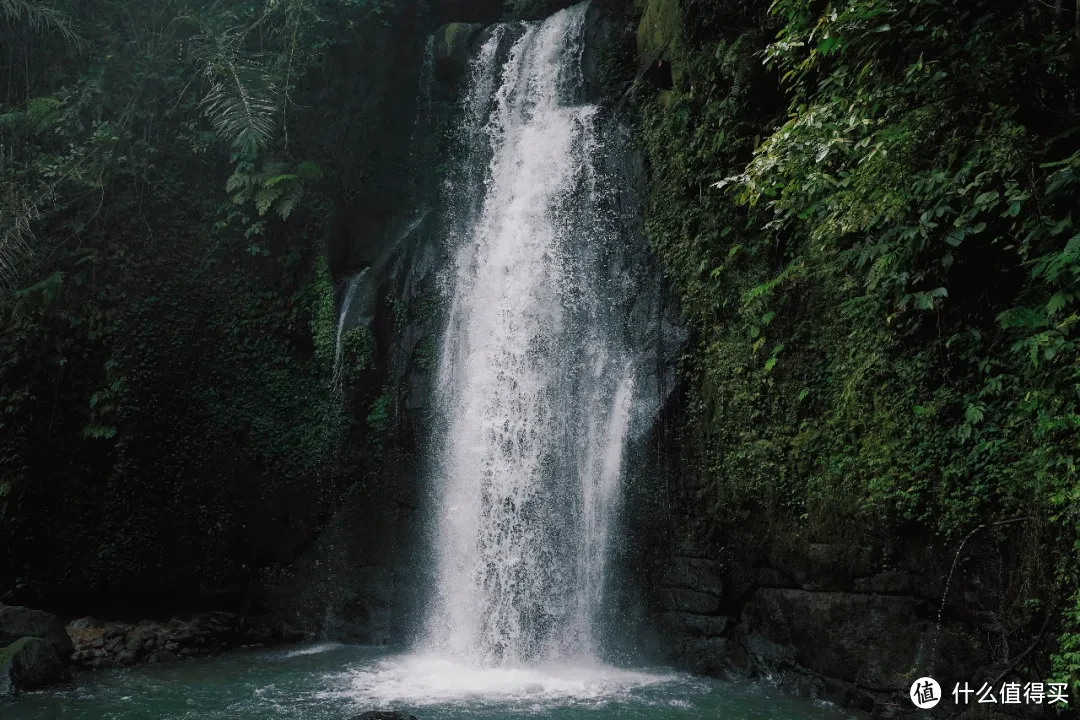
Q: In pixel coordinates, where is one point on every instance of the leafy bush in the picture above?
(873, 234)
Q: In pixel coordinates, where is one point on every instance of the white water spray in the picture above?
(536, 384)
(346, 302)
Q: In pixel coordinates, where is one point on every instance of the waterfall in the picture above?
(537, 378)
(338, 376)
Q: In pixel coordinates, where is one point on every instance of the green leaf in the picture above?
(271, 182)
(308, 170)
(827, 45)
(1057, 303)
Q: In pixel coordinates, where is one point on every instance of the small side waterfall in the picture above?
(537, 378)
(337, 379)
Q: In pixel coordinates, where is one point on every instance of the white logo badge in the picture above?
(925, 693)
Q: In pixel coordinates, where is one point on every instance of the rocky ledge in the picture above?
(102, 644)
(841, 623)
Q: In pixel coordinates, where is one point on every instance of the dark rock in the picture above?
(113, 631)
(451, 47)
(18, 622)
(710, 655)
(689, 601)
(803, 685)
(162, 656)
(697, 625)
(658, 33)
(769, 577)
(845, 694)
(383, 715)
(871, 640)
(534, 9)
(695, 574)
(226, 619)
(143, 637)
(127, 657)
(291, 634)
(83, 623)
(886, 583)
(114, 644)
(28, 663)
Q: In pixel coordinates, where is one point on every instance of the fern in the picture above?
(237, 181)
(42, 113)
(265, 197)
(289, 202)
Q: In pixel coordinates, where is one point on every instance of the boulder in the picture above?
(127, 657)
(19, 622)
(451, 48)
(159, 657)
(658, 33)
(29, 663)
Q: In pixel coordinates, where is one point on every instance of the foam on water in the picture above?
(426, 680)
(311, 650)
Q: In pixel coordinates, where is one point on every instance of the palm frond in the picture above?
(242, 101)
(16, 236)
(41, 18)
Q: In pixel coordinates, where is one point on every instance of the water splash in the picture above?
(536, 376)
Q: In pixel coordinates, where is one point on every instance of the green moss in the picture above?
(426, 354)
(453, 34)
(659, 32)
(323, 313)
(7, 654)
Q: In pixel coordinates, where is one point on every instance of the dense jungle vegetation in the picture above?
(168, 314)
(867, 207)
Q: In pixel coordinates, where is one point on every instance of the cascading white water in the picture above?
(536, 383)
(346, 303)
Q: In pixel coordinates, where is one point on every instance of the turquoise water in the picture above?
(335, 682)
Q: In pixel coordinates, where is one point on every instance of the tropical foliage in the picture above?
(163, 293)
(868, 209)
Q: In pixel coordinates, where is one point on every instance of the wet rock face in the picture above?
(30, 663)
(18, 622)
(871, 639)
(105, 644)
(845, 623)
